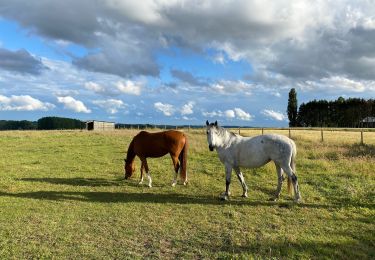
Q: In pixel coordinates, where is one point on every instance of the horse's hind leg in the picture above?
(280, 179)
(176, 166)
(288, 169)
(242, 181)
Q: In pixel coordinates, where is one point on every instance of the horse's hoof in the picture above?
(185, 183)
(244, 195)
(224, 197)
(273, 199)
(140, 183)
(173, 184)
(150, 186)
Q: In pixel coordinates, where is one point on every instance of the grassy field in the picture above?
(62, 195)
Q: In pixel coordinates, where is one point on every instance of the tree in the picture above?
(50, 123)
(292, 107)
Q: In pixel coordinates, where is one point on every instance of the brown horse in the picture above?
(154, 145)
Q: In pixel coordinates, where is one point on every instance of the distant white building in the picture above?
(99, 125)
(368, 121)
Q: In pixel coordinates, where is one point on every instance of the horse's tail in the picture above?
(293, 166)
(183, 161)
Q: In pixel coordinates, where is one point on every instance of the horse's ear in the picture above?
(215, 123)
(207, 123)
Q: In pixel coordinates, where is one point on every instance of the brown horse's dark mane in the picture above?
(130, 155)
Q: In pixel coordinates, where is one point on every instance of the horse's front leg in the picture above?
(144, 163)
(228, 175)
(142, 169)
(280, 179)
(242, 181)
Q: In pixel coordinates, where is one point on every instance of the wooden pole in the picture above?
(361, 136)
(290, 136)
(239, 130)
(262, 130)
(321, 133)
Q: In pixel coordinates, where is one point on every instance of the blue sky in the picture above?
(181, 62)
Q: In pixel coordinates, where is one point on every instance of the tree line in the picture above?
(44, 123)
(337, 113)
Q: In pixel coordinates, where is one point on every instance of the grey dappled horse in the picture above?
(236, 151)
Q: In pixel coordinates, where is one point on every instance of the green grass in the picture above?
(62, 195)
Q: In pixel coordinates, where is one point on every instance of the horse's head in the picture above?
(128, 168)
(212, 134)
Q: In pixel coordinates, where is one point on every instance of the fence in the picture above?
(349, 135)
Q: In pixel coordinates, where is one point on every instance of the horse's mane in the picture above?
(130, 155)
(222, 131)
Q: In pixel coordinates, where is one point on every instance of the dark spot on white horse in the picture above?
(294, 178)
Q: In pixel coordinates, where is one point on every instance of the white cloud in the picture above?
(338, 84)
(274, 115)
(213, 113)
(242, 114)
(166, 109)
(219, 58)
(95, 87)
(110, 105)
(129, 87)
(232, 87)
(73, 104)
(187, 109)
(236, 113)
(230, 113)
(23, 103)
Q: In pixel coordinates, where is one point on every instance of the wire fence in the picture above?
(343, 135)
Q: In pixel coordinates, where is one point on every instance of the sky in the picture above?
(181, 62)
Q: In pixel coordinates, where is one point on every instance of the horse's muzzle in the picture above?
(211, 148)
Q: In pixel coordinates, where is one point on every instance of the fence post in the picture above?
(290, 136)
(361, 136)
(239, 130)
(321, 133)
(262, 130)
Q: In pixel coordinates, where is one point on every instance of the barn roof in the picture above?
(89, 121)
(369, 119)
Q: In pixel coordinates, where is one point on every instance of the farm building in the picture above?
(99, 125)
(368, 122)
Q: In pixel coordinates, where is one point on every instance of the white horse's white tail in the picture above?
(293, 166)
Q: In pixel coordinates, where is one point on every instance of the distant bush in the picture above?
(52, 123)
(17, 125)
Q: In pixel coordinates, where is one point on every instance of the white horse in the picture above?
(236, 151)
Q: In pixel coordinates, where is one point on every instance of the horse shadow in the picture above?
(122, 197)
(89, 182)
(162, 198)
